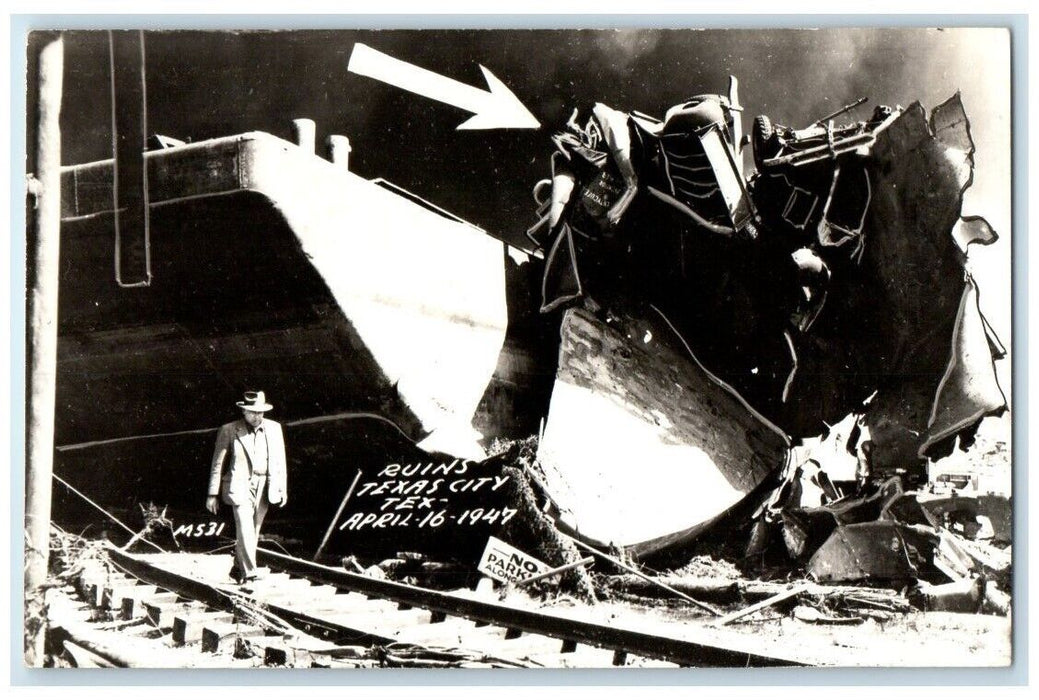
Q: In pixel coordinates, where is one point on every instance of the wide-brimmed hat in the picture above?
(254, 401)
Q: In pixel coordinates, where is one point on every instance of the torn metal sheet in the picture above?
(785, 523)
(890, 321)
(951, 559)
(998, 509)
(973, 229)
(803, 531)
(953, 511)
(953, 384)
(907, 509)
(995, 563)
(969, 390)
(880, 551)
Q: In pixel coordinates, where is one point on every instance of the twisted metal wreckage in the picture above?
(828, 288)
(696, 325)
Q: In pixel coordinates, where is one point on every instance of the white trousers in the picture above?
(248, 517)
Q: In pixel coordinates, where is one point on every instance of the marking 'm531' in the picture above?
(211, 528)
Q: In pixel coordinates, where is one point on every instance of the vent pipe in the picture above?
(339, 151)
(304, 131)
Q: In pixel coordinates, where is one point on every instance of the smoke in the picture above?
(621, 48)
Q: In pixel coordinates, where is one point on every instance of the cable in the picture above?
(70, 487)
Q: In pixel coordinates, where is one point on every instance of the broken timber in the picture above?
(768, 602)
(723, 591)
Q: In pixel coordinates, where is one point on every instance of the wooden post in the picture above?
(558, 570)
(42, 279)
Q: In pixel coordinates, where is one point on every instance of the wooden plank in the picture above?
(161, 614)
(84, 658)
(301, 602)
(89, 574)
(384, 619)
(188, 625)
(618, 563)
(582, 657)
(216, 635)
(269, 579)
(384, 624)
(282, 654)
(94, 592)
(276, 585)
(162, 597)
(320, 591)
(114, 592)
(132, 603)
(91, 587)
(768, 602)
(355, 604)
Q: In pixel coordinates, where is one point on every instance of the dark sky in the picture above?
(209, 84)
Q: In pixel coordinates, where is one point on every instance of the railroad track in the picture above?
(306, 614)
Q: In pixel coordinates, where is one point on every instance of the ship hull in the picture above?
(385, 331)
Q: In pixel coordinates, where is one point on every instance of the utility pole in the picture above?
(42, 341)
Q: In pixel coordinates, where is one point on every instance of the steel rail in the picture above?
(226, 600)
(682, 651)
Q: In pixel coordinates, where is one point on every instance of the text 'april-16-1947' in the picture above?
(460, 492)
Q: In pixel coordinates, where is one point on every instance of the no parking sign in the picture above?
(505, 563)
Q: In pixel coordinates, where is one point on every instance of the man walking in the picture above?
(248, 472)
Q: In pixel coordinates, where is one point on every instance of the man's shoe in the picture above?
(247, 582)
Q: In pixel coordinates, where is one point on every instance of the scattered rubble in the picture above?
(827, 552)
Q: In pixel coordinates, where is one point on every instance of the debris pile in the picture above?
(939, 547)
(826, 289)
(821, 550)
(829, 280)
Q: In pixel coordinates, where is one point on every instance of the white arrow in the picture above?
(497, 109)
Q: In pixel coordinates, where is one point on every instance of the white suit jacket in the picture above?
(232, 460)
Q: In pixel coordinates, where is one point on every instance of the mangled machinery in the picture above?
(724, 318)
